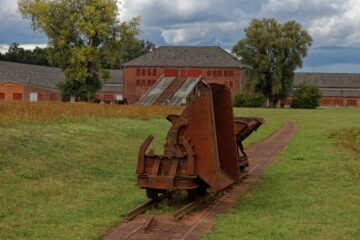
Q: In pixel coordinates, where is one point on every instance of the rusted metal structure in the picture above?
(203, 147)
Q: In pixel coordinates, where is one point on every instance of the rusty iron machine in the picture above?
(203, 148)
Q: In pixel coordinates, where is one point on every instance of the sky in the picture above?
(333, 24)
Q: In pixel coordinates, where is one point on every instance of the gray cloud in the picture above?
(13, 28)
(334, 24)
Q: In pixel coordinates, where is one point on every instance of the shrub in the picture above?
(306, 96)
(252, 100)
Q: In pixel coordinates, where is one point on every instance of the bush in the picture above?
(307, 96)
(252, 100)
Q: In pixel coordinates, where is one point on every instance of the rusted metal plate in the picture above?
(203, 147)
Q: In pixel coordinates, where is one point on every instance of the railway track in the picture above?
(183, 225)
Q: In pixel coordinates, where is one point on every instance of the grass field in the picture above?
(69, 173)
(312, 191)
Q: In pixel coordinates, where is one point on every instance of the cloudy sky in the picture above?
(334, 25)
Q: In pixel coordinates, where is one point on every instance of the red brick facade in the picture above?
(138, 80)
(329, 101)
(11, 91)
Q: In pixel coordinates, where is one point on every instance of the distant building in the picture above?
(171, 66)
(167, 70)
(24, 82)
(338, 89)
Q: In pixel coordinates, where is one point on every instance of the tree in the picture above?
(274, 51)
(80, 33)
(126, 46)
(306, 96)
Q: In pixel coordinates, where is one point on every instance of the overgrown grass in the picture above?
(11, 112)
(312, 191)
(73, 177)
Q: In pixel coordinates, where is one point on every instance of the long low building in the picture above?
(338, 89)
(24, 82)
(165, 76)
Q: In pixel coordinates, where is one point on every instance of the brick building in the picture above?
(24, 82)
(177, 63)
(338, 89)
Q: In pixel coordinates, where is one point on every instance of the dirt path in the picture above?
(202, 222)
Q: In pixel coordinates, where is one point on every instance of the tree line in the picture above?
(38, 56)
(41, 56)
(86, 36)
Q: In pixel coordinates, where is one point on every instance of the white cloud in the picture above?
(342, 29)
(200, 32)
(221, 22)
(4, 47)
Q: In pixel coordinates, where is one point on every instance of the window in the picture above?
(138, 83)
(143, 72)
(119, 97)
(17, 96)
(339, 101)
(351, 102)
(231, 84)
(226, 73)
(138, 72)
(108, 96)
(40, 97)
(149, 83)
(214, 73)
(53, 97)
(219, 73)
(143, 83)
(208, 73)
(2, 96)
(149, 72)
(33, 97)
(154, 72)
(231, 73)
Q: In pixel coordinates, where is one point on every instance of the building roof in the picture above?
(332, 84)
(187, 56)
(329, 80)
(47, 77)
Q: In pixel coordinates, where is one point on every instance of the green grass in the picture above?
(73, 179)
(312, 191)
(70, 180)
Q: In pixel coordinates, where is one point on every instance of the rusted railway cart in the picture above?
(203, 147)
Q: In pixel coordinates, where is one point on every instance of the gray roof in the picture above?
(47, 77)
(112, 87)
(329, 80)
(332, 84)
(187, 56)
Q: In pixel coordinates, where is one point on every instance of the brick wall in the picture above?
(329, 101)
(11, 91)
(138, 80)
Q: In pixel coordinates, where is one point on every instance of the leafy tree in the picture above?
(80, 33)
(274, 51)
(17, 54)
(252, 100)
(126, 46)
(306, 96)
